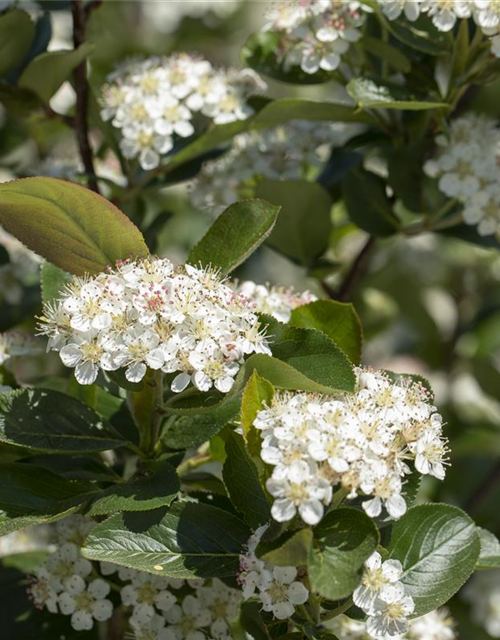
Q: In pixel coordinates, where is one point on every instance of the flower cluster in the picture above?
(468, 167)
(362, 441)
(148, 313)
(168, 16)
(315, 34)
(436, 625)
(275, 301)
(276, 588)
(483, 594)
(445, 13)
(381, 595)
(153, 101)
(160, 608)
(288, 152)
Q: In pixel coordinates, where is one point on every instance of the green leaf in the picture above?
(241, 479)
(387, 53)
(345, 538)
(159, 489)
(421, 35)
(16, 34)
(69, 225)
(260, 52)
(54, 422)
(25, 561)
(369, 95)
(52, 280)
(294, 235)
(291, 550)
(338, 320)
(194, 430)
(187, 540)
(30, 494)
(406, 175)
(489, 556)
(45, 74)
(438, 546)
(235, 235)
(367, 203)
(258, 393)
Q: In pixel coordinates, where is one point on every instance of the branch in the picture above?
(358, 267)
(82, 96)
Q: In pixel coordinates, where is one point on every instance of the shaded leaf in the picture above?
(291, 550)
(489, 556)
(16, 34)
(52, 281)
(369, 94)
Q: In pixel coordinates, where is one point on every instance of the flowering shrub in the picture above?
(249, 345)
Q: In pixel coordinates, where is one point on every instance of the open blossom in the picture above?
(288, 152)
(277, 588)
(154, 101)
(149, 314)
(362, 441)
(380, 581)
(276, 301)
(467, 167)
(314, 35)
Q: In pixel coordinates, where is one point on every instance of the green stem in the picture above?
(338, 610)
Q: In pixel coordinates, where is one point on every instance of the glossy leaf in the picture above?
(54, 422)
(369, 95)
(69, 225)
(235, 235)
(45, 74)
(345, 538)
(158, 489)
(241, 479)
(187, 540)
(294, 235)
(438, 546)
(338, 320)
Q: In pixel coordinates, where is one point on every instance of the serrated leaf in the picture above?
(369, 94)
(489, 556)
(52, 280)
(344, 539)
(45, 74)
(367, 203)
(241, 479)
(68, 225)
(338, 320)
(293, 235)
(16, 34)
(159, 489)
(438, 546)
(30, 494)
(187, 540)
(291, 550)
(50, 421)
(235, 235)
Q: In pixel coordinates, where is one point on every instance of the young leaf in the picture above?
(142, 494)
(367, 203)
(293, 235)
(54, 422)
(369, 95)
(235, 235)
(438, 546)
(345, 538)
(74, 228)
(16, 34)
(45, 74)
(290, 550)
(489, 557)
(338, 320)
(52, 281)
(241, 479)
(258, 392)
(187, 540)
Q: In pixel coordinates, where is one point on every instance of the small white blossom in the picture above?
(380, 581)
(483, 594)
(86, 603)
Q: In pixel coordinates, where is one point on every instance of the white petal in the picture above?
(180, 382)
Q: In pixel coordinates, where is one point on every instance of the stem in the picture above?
(344, 292)
(82, 96)
(338, 611)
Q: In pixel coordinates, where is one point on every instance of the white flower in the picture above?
(153, 629)
(380, 581)
(144, 594)
(393, 9)
(435, 625)
(390, 618)
(86, 603)
(187, 620)
(483, 593)
(223, 604)
(445, 13)
(281, 593)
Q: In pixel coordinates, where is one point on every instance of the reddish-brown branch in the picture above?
(358, 267)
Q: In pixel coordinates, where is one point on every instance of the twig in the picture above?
(91, 6)
(53, 115)
(346, 287)
(82, 96)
